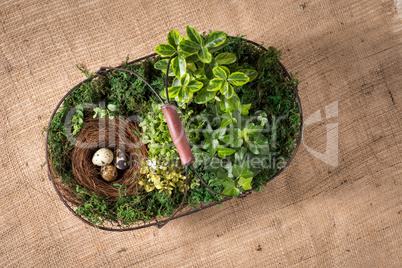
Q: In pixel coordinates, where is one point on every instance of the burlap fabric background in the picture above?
(348, 214)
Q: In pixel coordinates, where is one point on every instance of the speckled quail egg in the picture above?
(120, 160)
(109, 173)
(102, 157)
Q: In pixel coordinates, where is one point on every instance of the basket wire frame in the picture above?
(185, 211)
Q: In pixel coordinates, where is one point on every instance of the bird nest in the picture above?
(112, 134)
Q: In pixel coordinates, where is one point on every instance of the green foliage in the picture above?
(235, 130)
(127, 209)
(77, 120)
(184, 88)
(193, 46)
(272, 102)
(131, 94)
(111, 111)
(200, 194)
(196, 69)
(234, 178)
(156, 135)
(162, 176)
(225, 58)
(236, 138)
(224, 82)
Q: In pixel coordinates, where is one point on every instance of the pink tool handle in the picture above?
(178, 134)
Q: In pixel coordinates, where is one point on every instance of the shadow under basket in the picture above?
(96, 133)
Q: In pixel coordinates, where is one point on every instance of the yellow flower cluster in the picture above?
(162, 177)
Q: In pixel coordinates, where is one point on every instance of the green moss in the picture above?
(200, 194)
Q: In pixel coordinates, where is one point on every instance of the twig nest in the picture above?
(102, 157)
(120, 160)
(109, 173)
(95, 136)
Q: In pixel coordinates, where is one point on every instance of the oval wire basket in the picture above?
(185, 211)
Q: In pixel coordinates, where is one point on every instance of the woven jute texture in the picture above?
(339, 204)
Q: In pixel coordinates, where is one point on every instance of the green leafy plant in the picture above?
(156, 135)
(235, 179)
(231, 139)
(184, 88)
(111, 111)
(196, 69)
(162, 176)
(77, 120)
(192, 47)
(224, 83)
(235, 130)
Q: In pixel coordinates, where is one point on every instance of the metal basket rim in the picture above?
(159, 223)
